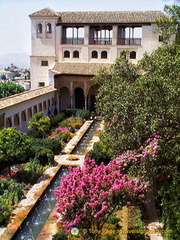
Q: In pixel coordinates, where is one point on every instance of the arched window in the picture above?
(103, 54)
(133, 55)
(39, 28)
(94, 54)
(48, 28)
(66, 54)
(75, 54)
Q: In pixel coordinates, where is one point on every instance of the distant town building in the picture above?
(5, 73)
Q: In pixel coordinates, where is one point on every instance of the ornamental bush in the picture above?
(74, 112)
(61, 235)
(44, 156)
(87, 196)
(50, 143)
(56, 119)
(99, 153)
(10, 194)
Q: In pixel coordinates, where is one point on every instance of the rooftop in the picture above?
(24, 96)
(100, 17)
(78, 68)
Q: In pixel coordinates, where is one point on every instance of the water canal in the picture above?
(34, 222)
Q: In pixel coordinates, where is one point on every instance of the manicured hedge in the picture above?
(84, 114)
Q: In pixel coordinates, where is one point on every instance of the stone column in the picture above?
(85, 104)
(115, 35)
(86, 35)
(71, 101)
(12, 120)
(20, 121)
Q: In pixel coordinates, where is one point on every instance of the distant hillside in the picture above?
(21, 60)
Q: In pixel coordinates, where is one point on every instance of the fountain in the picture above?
(83, 143)
(35, 220)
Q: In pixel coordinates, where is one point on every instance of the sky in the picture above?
(15, 25)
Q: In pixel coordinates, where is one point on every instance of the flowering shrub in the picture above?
(66, 129)
(87, 197)
(138, 163)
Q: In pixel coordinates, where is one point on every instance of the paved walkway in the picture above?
(153, 225)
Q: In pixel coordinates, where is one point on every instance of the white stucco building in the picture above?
(18, 109)
(68, 48)
(5, 73)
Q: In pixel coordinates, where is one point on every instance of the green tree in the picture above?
(115, 102)
(136, 106)
(135, 110)
(9, 88)
(3, 77)
(39, 123)
(14, 147)
(15, 74)
(170, 25)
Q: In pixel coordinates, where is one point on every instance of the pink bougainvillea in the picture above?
(87, 196)
(141, 160)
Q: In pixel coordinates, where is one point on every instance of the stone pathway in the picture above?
(153, 226)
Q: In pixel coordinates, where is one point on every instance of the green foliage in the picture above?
(70, 112)
(136, 107)
(99, 153)
(14, 147)
(56, 119)
(84, 114)
(115, 101)
(9, 88)
(50, 143)
(61, 235)
(3, 77)
(170, 25)
(35, 167)
(41, 125)
(111, 228)
(10, 194)
(72, 130)
(170, 194)
(74, 112)
(5, 211)
(31, 173)
(15, 74)
(44, 156)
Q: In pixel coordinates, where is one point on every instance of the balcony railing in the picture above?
(73, 41)
(129, 41)
(102, 41)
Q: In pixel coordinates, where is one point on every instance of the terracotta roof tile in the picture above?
(24, 96)
(110, 17)
(46, 12)
(78, 68)
(100, 17)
